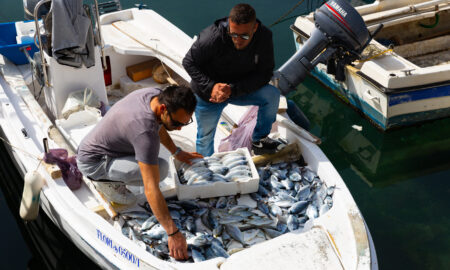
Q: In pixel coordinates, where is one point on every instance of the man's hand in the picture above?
(220, 92)
(178, 247)
(187, 156)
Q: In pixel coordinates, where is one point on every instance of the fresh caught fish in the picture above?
(288, 196)
(235, 233)
(298, 207)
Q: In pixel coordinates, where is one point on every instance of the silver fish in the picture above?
(298, 207)
(197, 255)
(218, 249)
(235, 233)
(292, 223)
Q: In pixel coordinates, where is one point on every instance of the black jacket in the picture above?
(214, 59)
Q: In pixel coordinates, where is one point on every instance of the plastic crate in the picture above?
(216, 189)
(9, 47)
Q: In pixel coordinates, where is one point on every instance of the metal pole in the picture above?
(97, 18)
(38, 33)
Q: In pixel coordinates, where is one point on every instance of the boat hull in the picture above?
(397, 87)
(419, 104)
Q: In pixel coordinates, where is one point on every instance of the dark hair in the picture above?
(178, 97)
(242, 14)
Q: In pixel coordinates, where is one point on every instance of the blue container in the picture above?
(9, 47)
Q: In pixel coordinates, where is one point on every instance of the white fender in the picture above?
(29, 206)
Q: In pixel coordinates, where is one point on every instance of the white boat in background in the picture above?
(403, 78)
(339, 239)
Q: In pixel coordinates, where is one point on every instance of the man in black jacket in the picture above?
(232, 62)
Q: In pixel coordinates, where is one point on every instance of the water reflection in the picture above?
(49, 247)
(379, 158)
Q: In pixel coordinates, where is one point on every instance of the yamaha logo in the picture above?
(339, 9)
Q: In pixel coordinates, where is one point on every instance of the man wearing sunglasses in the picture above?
(232, 62)
(123, 149)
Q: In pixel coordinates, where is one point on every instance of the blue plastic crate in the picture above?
(9, 47)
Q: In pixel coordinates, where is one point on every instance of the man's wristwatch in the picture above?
(176, 151)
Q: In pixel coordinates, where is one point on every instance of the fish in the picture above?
(303, 193)
(218, 249)
(292, 223)
(221, 203)
(199, 240)
(157, 232)
(197, 255)
(235, 233)
(288, 196)
(149, 223)
(298, 207)
(311, 212)
(270, 233)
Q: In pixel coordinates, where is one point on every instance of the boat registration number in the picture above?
(123, 252)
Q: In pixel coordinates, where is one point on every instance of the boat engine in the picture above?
(338, 39)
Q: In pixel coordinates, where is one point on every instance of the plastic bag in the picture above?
(68, 166)
(242, 135)
(76, 101)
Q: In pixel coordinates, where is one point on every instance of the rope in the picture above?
(162, 63)
(375, 56)
(287, 13)
(23, 151)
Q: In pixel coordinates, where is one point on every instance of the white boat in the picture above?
(402, 86)
(339, 239)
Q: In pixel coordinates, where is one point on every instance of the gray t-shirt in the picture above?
(129, 128)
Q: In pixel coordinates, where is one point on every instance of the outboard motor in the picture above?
(339, 38)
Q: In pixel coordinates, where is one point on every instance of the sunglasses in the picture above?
(243, 36)
(176, 124)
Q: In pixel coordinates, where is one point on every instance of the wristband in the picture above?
(176, 151)
(172, 234)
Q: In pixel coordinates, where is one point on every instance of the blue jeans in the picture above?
(207, 114)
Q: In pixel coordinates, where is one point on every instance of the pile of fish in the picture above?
(288, 196)
(229, 167)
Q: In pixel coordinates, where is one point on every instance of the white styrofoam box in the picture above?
(216, 189)
(78, 125)
(27, 28)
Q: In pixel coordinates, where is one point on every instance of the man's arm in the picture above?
(167, 141)
(200, 53)
(177, 242)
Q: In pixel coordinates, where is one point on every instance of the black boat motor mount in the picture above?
(339, 38)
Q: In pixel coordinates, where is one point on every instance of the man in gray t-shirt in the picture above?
(123, 149)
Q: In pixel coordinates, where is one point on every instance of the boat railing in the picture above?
(97, 23)
(38, 33)
(106, 7)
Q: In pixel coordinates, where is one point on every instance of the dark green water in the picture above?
(399, 179)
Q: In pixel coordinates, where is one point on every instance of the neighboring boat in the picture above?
(403, 78)
(338, 239)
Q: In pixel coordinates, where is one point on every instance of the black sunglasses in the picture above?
(175, 123)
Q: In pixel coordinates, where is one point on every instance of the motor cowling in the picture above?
(340, 33)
